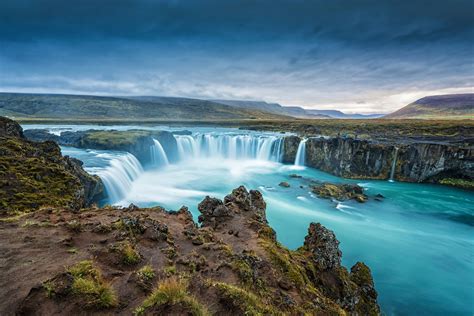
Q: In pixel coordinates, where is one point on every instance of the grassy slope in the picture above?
(455, 106)
(77, 107)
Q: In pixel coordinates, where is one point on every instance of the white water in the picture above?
(120, 174)
(158, 155)
(394, 165)
(301, 153)
(199, 146)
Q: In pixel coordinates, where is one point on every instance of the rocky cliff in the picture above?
(35, 175)
(150, 261)
(412, 162)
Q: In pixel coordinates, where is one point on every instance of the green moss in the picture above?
(89, 285)
(282, 259)
(32, 176)
(243, 299)
(241, 264)
(458, 183)
(113, 139)
(173, 291)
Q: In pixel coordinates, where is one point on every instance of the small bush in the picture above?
(146, 273)
(172, 291)
(128, 254)
(89, 285)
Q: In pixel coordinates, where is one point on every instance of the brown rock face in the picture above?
(231, 265)
(10, 128)
(324, 246)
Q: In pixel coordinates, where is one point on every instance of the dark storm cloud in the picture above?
(357, 22)
(294, 51)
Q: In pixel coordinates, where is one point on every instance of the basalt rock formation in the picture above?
(340, 192)
(137, 142)
(150, 261)
(410, 161)
(34, 175)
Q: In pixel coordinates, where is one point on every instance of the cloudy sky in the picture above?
(357, 56)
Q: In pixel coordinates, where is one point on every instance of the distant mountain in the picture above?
(341, 115)
(294, 111)
(84, 107)
(448, 106)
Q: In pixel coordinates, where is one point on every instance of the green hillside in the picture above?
(80, 107)
(449, 106)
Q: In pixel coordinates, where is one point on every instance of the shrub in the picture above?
(89, 285)
(172, 291)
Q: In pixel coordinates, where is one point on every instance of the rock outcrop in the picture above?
(362, 159)
(340, 192)
(150, 261)
(35, 175)
(324, 246)
(10, 128)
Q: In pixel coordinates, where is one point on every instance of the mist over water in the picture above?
(418, 242)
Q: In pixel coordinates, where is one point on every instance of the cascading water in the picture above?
(394, 165)
(301, 153)
(119, 175)
(230, 147)
(158, 155)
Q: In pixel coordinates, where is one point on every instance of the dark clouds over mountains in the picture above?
(294, 52)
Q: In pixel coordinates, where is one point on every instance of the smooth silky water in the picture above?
(418, 241)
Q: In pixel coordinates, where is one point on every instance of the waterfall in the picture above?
(158, 155)
(119, 175)
(394, 165)
(227, 146)
(301, 153)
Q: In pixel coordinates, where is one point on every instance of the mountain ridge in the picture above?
(446, 106)
(65, 106)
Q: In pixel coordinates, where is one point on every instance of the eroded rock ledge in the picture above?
(150, 261)
(33, 175)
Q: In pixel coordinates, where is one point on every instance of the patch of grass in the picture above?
(128, 254)
(49, 288)
(242, 265)
(146, 273)
(89, 285)
(32, 177)
(243, 299)
(173, 291)
(74, 226)
(170, 270)
(282, 259)
(72, 250)
(32, 223)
